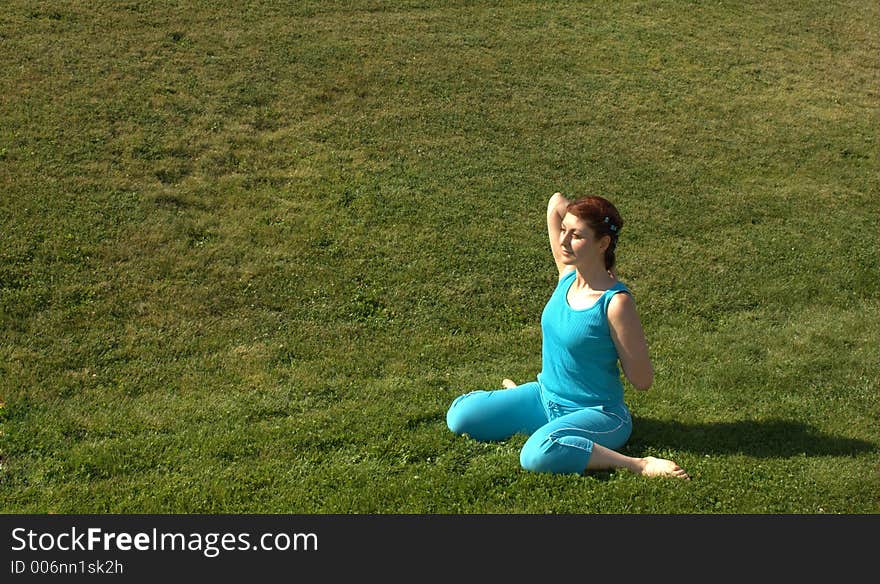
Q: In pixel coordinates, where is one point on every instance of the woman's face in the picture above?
(578, 241)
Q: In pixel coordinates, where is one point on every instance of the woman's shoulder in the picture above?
(565, 275)
(619, 299)
(567, 272)
(618, 286)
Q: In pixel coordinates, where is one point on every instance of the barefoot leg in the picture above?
(507, 384)
(660, 467)
(605, 458)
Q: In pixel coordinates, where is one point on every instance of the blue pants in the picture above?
(561, 437)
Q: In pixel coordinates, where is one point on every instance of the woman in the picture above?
(574, 412)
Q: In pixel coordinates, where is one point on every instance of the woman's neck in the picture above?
(593, 278)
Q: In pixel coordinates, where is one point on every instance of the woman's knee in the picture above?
(546, 454)
(534, 457)
(461, 417)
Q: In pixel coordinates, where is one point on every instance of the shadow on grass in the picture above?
(759, 438)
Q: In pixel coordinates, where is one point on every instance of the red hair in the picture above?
(602, 217)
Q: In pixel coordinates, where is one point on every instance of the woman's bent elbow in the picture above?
(643, 383)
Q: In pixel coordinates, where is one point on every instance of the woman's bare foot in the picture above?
(660, 467)
(507, 384)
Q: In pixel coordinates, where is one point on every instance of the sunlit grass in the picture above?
(249, 255)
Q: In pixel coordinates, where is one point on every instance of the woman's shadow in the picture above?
(759, 438)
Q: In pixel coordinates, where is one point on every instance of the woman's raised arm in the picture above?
(555, 212)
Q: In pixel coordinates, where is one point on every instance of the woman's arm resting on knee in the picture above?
(629, 338)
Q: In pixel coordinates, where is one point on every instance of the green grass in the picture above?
(249, 255)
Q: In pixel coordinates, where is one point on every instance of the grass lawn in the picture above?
(250, 252)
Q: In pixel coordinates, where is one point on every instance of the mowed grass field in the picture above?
(251, 251)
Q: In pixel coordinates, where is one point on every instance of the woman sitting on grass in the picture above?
(574, 412)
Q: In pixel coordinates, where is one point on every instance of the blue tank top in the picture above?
(579, 359)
